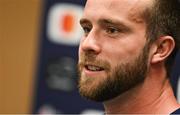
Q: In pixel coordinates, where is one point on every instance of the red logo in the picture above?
(68, 23)
(63, 24)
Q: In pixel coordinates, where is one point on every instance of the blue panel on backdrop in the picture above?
(56, 86)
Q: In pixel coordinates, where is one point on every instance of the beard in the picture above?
(119, 79)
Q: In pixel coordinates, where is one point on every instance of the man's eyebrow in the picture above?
(106, 22)
(115, 23)
(84, 21)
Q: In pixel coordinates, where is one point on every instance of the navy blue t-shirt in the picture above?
(176, 112)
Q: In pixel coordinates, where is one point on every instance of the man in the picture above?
(126, 55)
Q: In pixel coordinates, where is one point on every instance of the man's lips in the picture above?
(93, 68)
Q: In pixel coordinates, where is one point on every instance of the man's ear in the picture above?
(163, 48)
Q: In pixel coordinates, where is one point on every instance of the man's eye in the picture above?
(112, 30)
(86, 29)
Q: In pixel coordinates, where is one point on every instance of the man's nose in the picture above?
(91, 43)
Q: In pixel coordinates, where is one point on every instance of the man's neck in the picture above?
(154, 95)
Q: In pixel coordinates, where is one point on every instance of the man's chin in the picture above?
(90, 88)
(90, 95)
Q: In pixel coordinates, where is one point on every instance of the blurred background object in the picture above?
(19, 40)
(38, 55)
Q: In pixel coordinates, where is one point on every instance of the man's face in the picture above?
(113, 55)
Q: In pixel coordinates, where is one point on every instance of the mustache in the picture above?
(91, 59)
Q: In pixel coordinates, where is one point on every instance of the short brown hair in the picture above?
(163, 18)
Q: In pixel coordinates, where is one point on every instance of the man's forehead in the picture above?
(112, 3)
(135, 8)
(139, 10)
